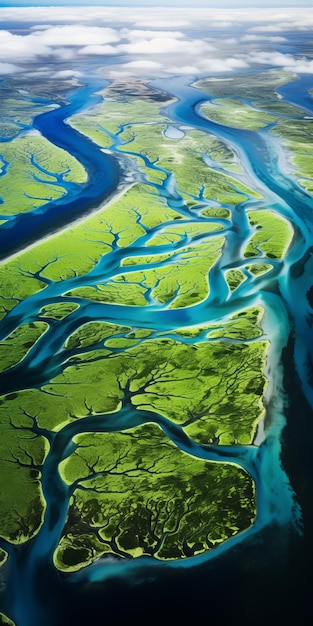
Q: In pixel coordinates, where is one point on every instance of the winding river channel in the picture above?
(35, 593)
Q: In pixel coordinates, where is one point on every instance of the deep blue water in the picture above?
(254, 569)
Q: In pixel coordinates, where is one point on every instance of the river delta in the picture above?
(155, 335)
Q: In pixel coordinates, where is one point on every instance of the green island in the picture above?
(260, 87)
(272, 237)
(136, 494)
(22, 455)
(297, 139)
(235, 113)
(36, 173)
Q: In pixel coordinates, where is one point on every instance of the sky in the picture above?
(149, 42)
(167, 3)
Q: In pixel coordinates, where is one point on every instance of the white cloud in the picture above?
(15, 47)
(97, 50)
(149, 17)
(75, 35)
(60, 42)
(120, 74)
(63, 54)
(161, 23)
(221, 65)
(174, 41)
(51, 14)
(210, 65)
(253, 38)
(269, 28)
(141, 67)
(167, 45)
(301, 67)
(136, 34)
(296, 23)
(189, 70)
(222, 24)
(8, 68)
(286, 61)
(67, 74)
(143, 64)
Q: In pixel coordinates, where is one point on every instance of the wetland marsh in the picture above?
(156, 295)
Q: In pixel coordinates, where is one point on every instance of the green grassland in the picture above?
(259, 268)
(23, 97)
(297, 138)
(199, 386)
(112, 115)
(260, 86)
(25, 186)
(92, 333)
(232, 112)
(272, 237)
(17, 113)
(261, 89)
(213, 390)
(234, 278)
(185, 158)
(244, 325)
(22, 454)
(216, 212)
(143, 496)
(180, 283)
(144, 135)
(17, 344)
(58, 311)
(77, 250)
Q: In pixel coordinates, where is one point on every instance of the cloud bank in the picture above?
(149, 41)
